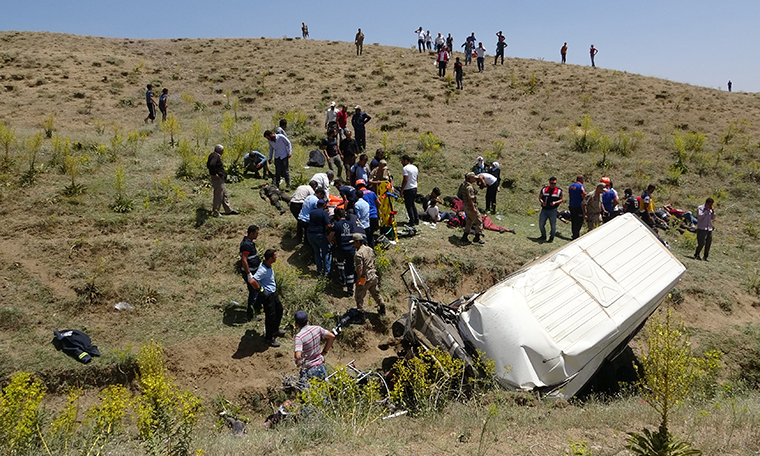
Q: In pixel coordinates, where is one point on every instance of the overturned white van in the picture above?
(551, 325)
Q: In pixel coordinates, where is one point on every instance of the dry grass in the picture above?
(178, 267)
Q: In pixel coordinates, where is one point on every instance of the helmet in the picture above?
(605, 180)
(360, 182)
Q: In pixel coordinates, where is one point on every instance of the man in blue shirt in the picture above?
(264, 281)
(316, 234)
(371, 198)
(254, 161)
(577, 193)
(281, 150)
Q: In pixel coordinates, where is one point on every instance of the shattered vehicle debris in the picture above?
(551, 325)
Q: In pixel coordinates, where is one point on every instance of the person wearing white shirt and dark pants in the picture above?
(409, 189)
(279, 146)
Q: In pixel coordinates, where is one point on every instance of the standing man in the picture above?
(491, 184)
(450, 43)
(550, 197)
(309, 204)
(468, 46)
(280, 148)
(646, 206)
(593, 207)
(500, 45)
(341, 235)
(366, 275)
(296, 204)
(151, 104)
(440, 41)
(359, 120)
(705, 216)
(332, 153)
(472, 216)
(359, 41)
(577, 194)
(420, 39)
(459, 73)
(316, 233)
(342, 118)
(730, 84)
(162, 103)
(593, 51)
(481, 53)
(218, 175)
(308, 341)
(373, 203)
(350, 150)
(280, 130)
(331, 117)
(250, 261)
(610, 200)
(442, 59)
(263, 280)
(304, 30)
(563, 52)
(409, 189)
(360, 171)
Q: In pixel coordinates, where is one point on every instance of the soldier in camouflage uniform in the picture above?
(472, 216)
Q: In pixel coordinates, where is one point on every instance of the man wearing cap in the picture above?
(316, 233)
(359, 120)
(593, 207)
(610, 200)
(409, 189)
(472, 216)
(366, 275)
(577, 193)
(308, 342)
(296, 204)
(249, 262)
(331, 117)
(218, 174)
(263, 280)
(379, 174)
(280, 148)
(332, 153)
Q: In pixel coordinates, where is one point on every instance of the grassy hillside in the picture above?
(67, 254)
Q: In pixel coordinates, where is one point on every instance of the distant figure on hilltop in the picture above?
(429, 40)
(563, 53)
(304, 30)
(468, 46)
(420, 39)
(442, 60)
(459, 73)
(592, 52)
(481, 52)
(359, 41)
(500, 45)
(729, 85)
(450, 43)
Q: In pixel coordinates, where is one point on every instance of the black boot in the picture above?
(477, 240)
(464, 240)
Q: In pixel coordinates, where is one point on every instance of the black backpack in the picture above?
(316, 158)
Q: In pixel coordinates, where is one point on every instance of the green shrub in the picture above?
(192, 164)
(586, 137)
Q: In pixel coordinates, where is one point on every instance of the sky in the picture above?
(699, 42)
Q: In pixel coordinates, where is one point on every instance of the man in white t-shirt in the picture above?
(331, 116)
(409, 189)
(491, 184)
(420, 39)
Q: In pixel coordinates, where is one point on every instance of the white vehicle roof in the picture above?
(552, 324)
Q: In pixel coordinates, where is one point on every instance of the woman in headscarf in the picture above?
(480, 166)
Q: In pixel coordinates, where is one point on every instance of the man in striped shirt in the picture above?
(308, 342)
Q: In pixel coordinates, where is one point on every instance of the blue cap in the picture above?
(320, 202)
(301, 317)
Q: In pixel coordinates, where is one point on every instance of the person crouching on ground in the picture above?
(308, 342)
